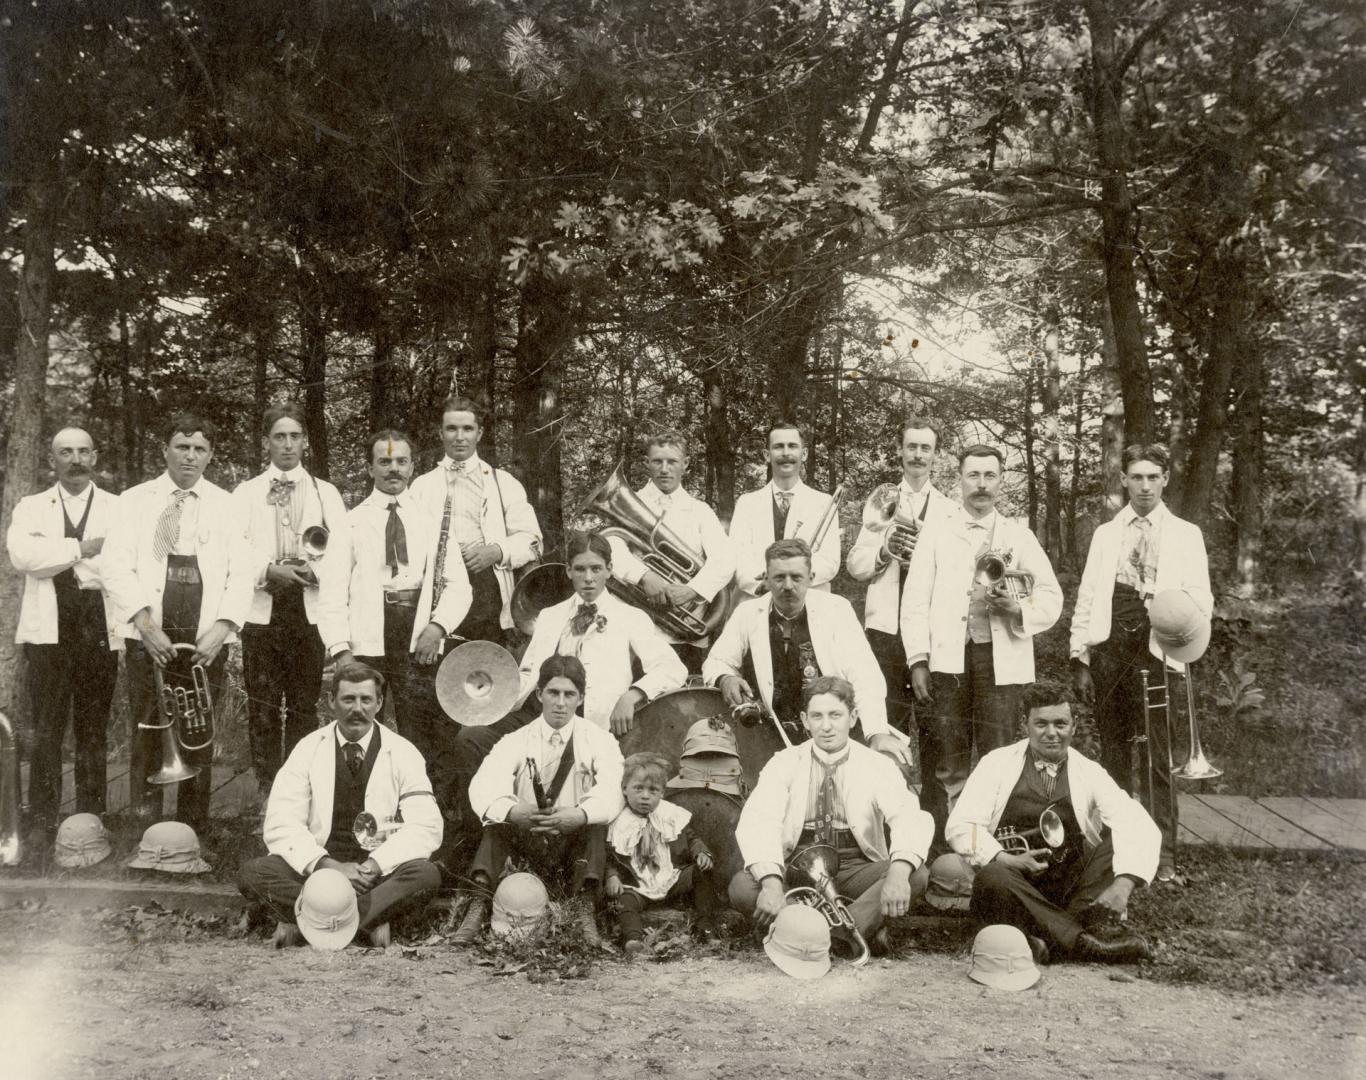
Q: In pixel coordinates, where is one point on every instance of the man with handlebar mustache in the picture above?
(282, 654)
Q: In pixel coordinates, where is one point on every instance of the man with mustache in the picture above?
(282, 655)
(380, 605)
(1143, 550)
(783, 509)
(55, 540)
(783, 641)
(970, 644)
(879, 557)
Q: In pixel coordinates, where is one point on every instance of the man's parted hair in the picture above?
(667, 437)
(464, 404)
(981, 450)
(788, 549)
(1154, 452)
(187, 423)
(389, 435)
(562, 667)
(829, 684)
(285, 409)
(580, 543)
(913, 422)
(353, 671)
(1046, 692)
(784, 425)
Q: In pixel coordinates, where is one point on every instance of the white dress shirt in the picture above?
(751, 530)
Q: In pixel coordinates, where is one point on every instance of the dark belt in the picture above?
(402, 597)
(840, 838)
(183, 574)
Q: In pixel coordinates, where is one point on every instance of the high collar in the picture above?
(1155, 515)
(906, 489)
(363, 743)
(296, 475)
(652, 494)
(382, 500)
(601, 602)
(544, 730)
(829, 759)
(472, 463)
(988, 522)
(796, 488)
(78, 500)
(169, 486)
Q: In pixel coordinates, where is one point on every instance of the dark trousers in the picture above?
(1116, 670)
(455, 764)
(72, 680)
(575, 863)
(145, 753)
(970, 712)
(482, 621)
(692, 884)
(691, 655)
(282, 666)
(1047, 905)
(901, 714)
(411, 686)
(273, 882)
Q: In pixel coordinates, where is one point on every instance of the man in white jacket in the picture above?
(178, 572)
(832, 791)
(1071, 898)
(784, 508)
(282, 654)
(335, 773)
(65, 625)
(970, 645)
(1143, 550)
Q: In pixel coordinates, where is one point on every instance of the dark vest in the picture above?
(348, 800)
(1027, 801)
(80, 612)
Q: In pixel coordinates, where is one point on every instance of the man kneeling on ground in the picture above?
(1071, 897)
(333, 774)
(833, 791)
(560, 830)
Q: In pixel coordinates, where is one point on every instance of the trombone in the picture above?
(1157, 700)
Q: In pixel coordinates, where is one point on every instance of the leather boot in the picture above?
(472, 924)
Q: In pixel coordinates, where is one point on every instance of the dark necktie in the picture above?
(784, 501)
(583, 618)
(353, 758)
(825, 800)
(395, 540)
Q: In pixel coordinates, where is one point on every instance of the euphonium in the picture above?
(882, 511)
(993, 570)
(1050, 830)
(9, 794)
(660, 549)
(814, 868)
(178, 708)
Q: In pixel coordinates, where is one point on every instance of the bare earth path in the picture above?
(223, 1008)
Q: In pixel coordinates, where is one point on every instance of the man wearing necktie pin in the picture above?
(282, 654)
(382, 607)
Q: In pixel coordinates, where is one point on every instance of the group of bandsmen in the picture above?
(932, 685)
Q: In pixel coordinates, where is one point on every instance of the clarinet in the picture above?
(439, 565)
(537, 788)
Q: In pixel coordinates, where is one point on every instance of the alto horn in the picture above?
(10, 844)
(883, 512)
(813, 868)
(173, 705)
(993, 572)
(1050, 830)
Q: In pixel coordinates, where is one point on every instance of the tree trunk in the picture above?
(720, 444)
(1112, 417)
(482, 381)
(1072, 553)
(24, 446)
(1031, 468)
(1179, 431)
(1358, 567)
(1119, 226)
(1050, 396)
(383, 411)
(1247, 472)
(313, 375)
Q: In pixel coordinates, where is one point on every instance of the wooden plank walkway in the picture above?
(1266, 824)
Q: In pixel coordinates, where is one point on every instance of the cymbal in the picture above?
(477, 683)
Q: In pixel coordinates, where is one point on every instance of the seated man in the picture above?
(545, 794)
(1074, 900)
(331, 775)
(780, 642)
(833, 791)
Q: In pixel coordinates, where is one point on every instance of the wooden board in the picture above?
(1352, 811)
(1185, 836)
(1271, 827)
(1215, 827)
(1313, 818)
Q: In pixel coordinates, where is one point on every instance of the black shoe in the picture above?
(881, 943)
(1039, 948)
(705, 929)
(1125, 949)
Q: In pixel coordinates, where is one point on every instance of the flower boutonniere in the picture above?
(586, 618)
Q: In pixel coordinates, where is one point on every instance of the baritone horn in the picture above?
(186, 722)
(883, 512)
(813, 868)
(994, 574)
(661, 550)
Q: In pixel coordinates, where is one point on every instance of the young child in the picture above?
(653, 855)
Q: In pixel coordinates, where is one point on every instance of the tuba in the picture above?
(813, 868)
(10, 846)
(539, 588)
(882, 512)
(1050, 831)
(186, 721)
(993, 572)
(660, 549)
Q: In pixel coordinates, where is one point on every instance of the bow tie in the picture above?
(462, 468)
(281, 491)
(784, 500)
(1050, 767)
(584, 618)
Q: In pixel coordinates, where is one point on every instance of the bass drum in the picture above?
(661, 726)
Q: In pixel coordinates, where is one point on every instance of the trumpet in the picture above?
(883, 512)
(186, 722)
(1050, 831)
(993, 573)
(814, 868)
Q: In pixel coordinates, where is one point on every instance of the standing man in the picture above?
(282, 655)
(385, 605)
(783, 509)
(880, 557)
(353, 764)
(486, 518)
(1143, 550)
(55, 539)
(696, 525)
(969, 642)
(178, 571)
(792, 635)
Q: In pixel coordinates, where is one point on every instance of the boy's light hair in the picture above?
(646, 762)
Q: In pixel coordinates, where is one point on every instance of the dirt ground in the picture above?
(115, 1005)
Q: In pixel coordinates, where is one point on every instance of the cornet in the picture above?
(1050, 831)
(993, 574)
(814, 869)
(883, 512)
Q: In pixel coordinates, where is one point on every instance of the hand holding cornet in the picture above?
(736, 691)
(899, 542)
(1031, 862)
(1003, 602)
